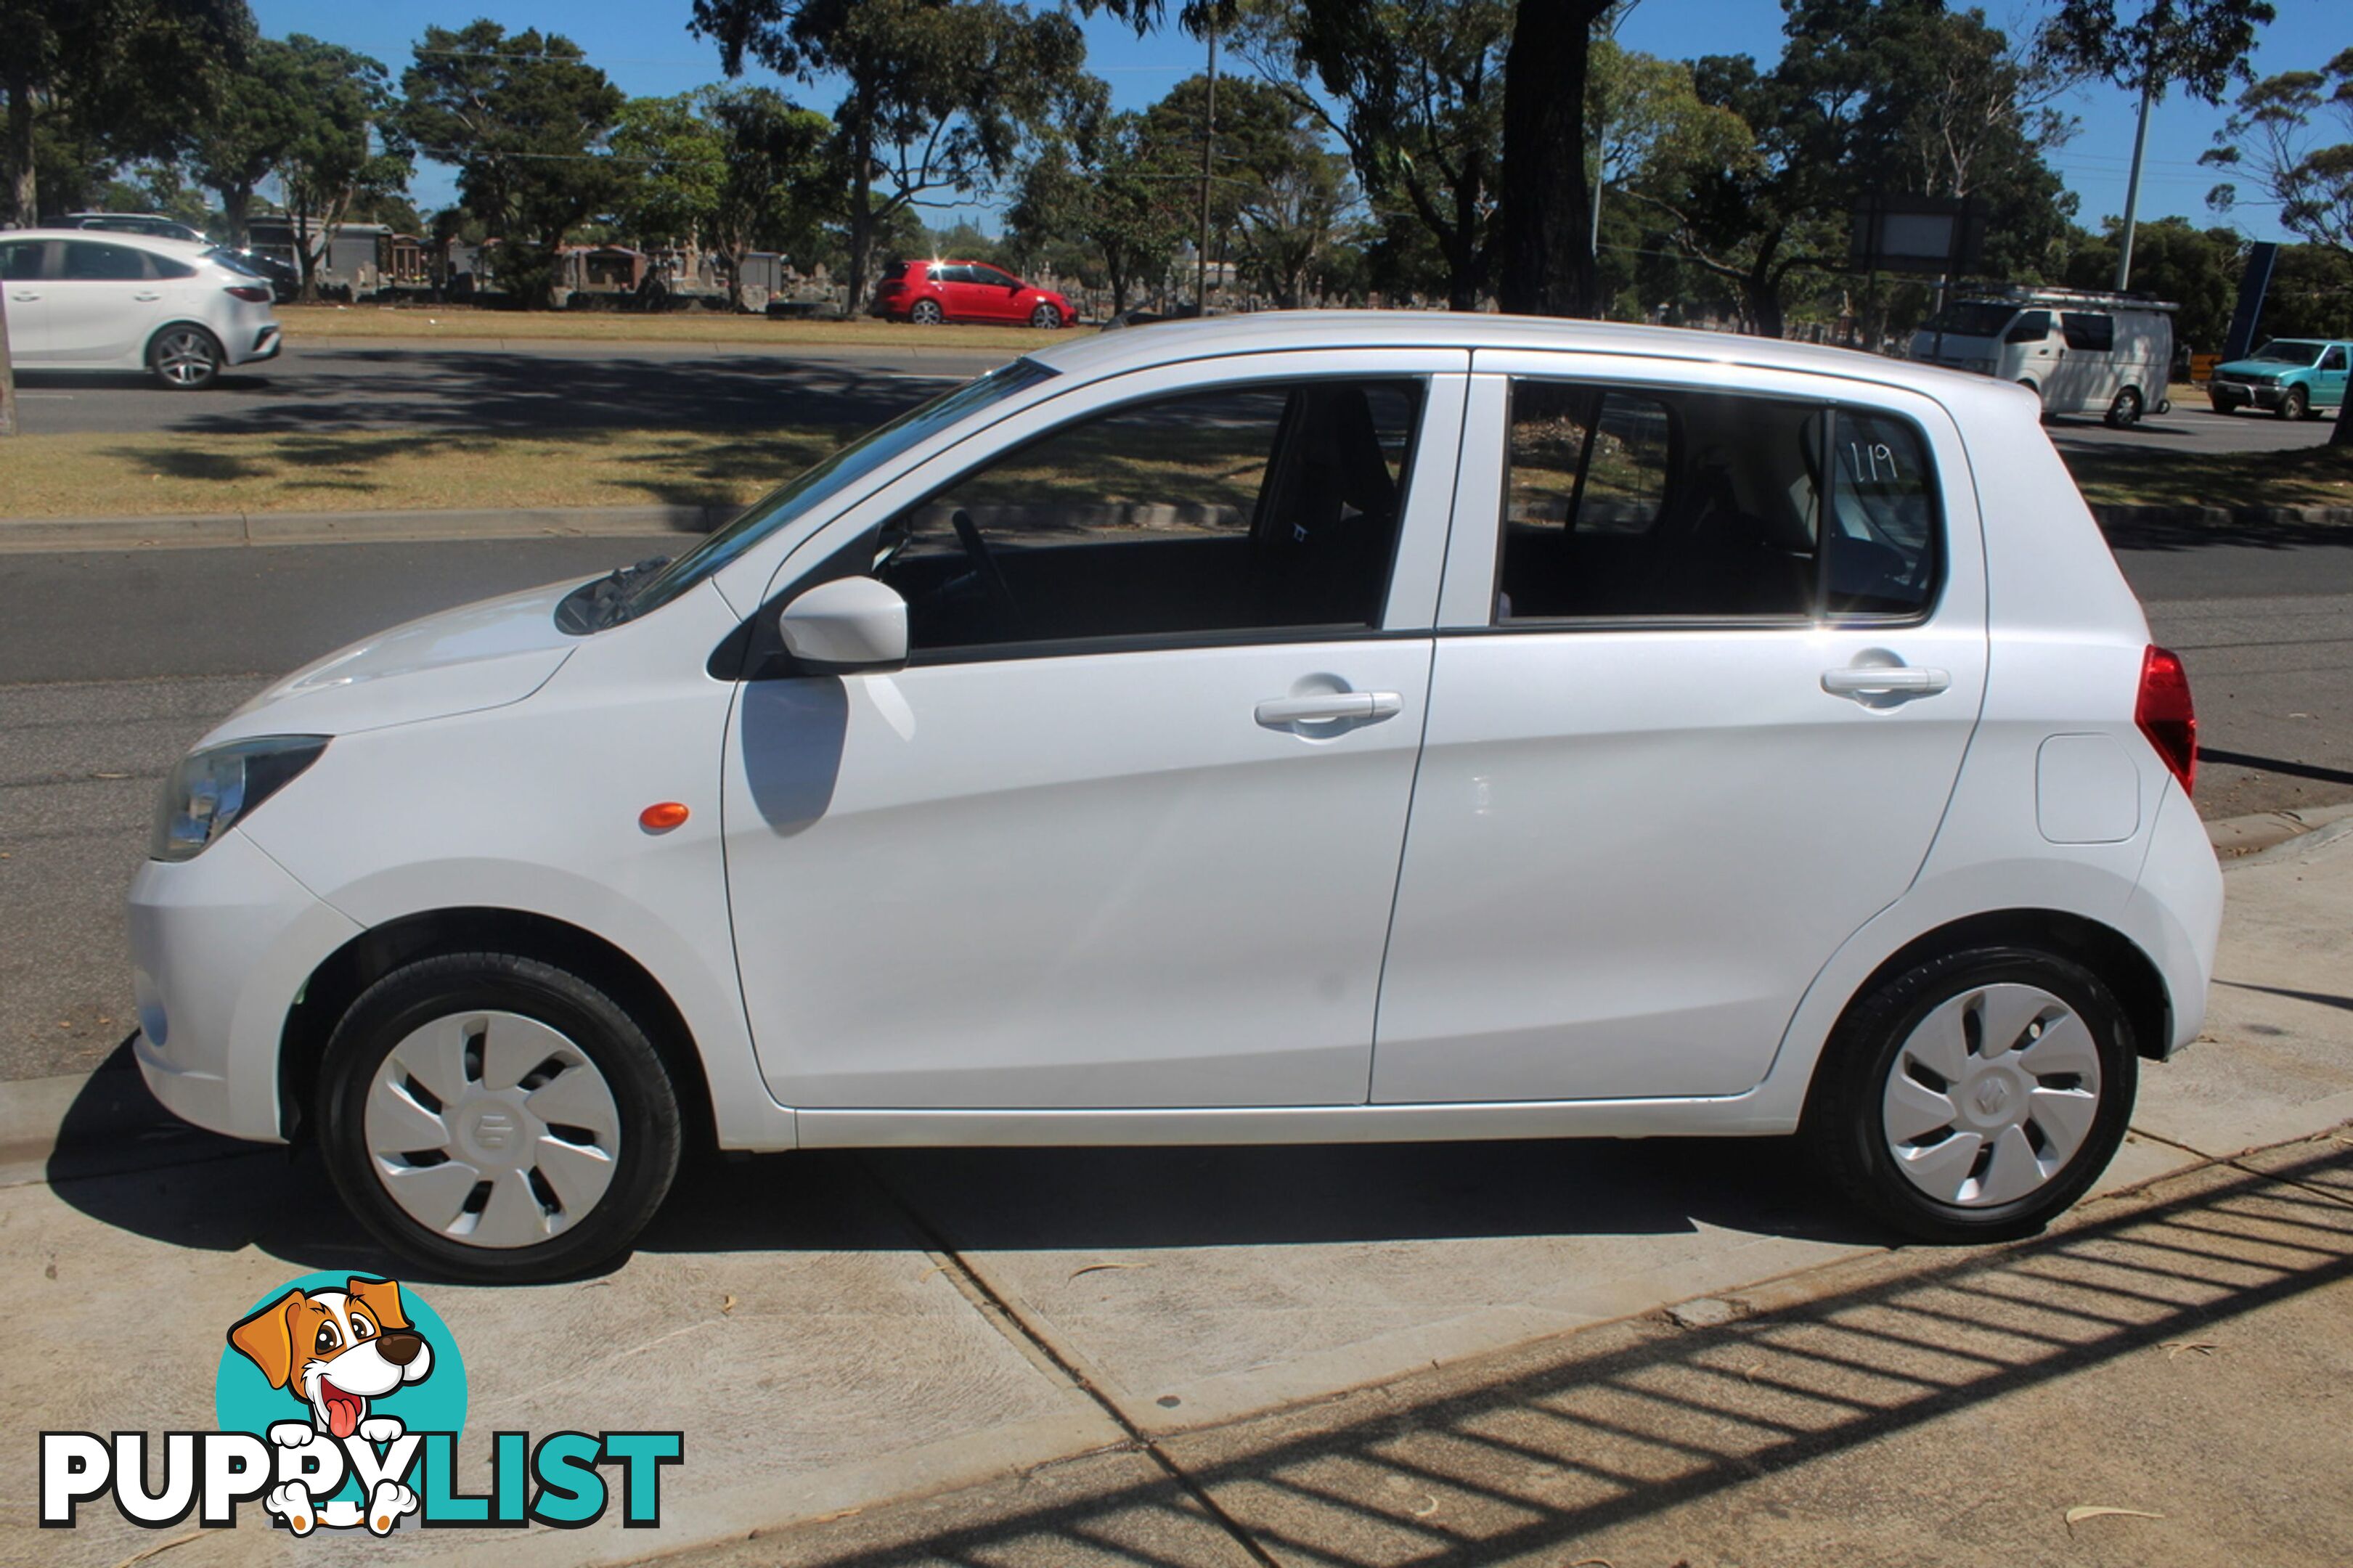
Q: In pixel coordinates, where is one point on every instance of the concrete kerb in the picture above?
(31, 1109)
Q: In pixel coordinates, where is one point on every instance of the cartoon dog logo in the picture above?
(335, 1351)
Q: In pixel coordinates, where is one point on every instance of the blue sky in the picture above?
(644, 46)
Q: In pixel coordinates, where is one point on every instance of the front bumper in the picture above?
(221, 947)
(2239, 394)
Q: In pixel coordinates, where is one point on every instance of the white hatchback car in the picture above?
(1285, 728)
(83, 300)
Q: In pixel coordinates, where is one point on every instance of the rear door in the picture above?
(105, 301)
(1677, 751)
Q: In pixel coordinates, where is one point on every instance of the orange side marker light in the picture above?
(662, 815)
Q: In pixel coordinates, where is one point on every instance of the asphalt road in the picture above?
(112, 664)
(379, 384)
(376, 386)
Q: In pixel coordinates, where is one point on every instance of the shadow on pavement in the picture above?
(1517, 1458)
(126, 1162)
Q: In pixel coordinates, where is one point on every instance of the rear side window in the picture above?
(89, 262)
(2088, 330)
(165, 266)
(1627, 503)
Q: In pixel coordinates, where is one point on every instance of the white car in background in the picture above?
(84, 299)
(1289, 727)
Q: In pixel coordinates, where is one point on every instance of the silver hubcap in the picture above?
(927, 312)
(492, 1129)
(1992, 1096)
(184, 357)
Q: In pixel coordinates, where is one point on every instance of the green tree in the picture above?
(2195, 269)
(940, 96)
(1114, 191)
(1417, 99)
(319, 113)
(121, 75)
(2275, 138)
(1275, 193)
(774, 192)
(524, 119)
(672, 160)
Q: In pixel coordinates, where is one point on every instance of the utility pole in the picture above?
(1208, 148)
(2131, 185)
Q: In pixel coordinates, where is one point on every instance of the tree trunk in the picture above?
(24, 182)
(2341, 432)
(1544, 241)
(237, 205)
(861, 216)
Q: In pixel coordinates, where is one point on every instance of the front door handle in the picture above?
(1886, 680)
(147, 298)
(26, 298)
(1329, 708)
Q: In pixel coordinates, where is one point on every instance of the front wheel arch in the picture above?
(349, 970)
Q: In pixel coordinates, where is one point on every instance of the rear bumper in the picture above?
(261, 344)
(2175, 915)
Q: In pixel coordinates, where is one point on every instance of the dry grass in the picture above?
(462, 323)
(2132, 475)
(114, 475)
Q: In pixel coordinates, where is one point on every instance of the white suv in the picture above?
(83, 300)
(1281, 728)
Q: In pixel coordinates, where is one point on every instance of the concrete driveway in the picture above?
(833, 1331)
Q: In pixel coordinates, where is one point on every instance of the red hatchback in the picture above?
(930, 291)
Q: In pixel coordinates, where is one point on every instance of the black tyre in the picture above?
(927, 313)
(2296, 403)
(2124, 412)
(496, 1118)
(1046, 318)
(185, 357)
(1974, 1097)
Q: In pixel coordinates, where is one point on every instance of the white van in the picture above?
(2077, 352)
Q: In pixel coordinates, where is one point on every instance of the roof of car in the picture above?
(109, 237)
(1261, 331)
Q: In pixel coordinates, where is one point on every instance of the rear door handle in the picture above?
(1884, 681)
(1329, 708)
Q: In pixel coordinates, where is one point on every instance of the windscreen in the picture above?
(2282, 353)
(1972, 319)
(827, 479)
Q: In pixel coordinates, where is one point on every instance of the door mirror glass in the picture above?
(847, 624)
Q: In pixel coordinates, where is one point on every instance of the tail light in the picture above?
(2167, 715)
(251, 293)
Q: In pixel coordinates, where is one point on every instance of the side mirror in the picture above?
(846, 626)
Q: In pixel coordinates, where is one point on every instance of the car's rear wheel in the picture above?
(926, 313)
(2124, 412)
(497, 1118)
(1046, 318)
(185, 357)
(1974, 1097)
(2296, 403)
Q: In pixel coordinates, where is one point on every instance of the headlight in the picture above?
(213, 788)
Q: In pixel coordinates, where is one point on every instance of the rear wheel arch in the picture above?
(2119, 961)
(375, 953)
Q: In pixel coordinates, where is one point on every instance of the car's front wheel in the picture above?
(186, 358)
(2296, 403)
(1046, 318)
(497, 1118)
(926, 313)
(1975, 1096)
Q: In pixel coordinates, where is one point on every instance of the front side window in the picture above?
(1271, 506)
(20, 260)
(1632, 503)
(2333, 359)
(89, 262)
(993, 277)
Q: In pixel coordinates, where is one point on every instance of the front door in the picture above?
(1675, 757)
(2328, 378)
(21, 263)
(1126, 832)
(996, 294)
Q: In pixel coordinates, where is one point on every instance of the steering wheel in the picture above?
(992, 579)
